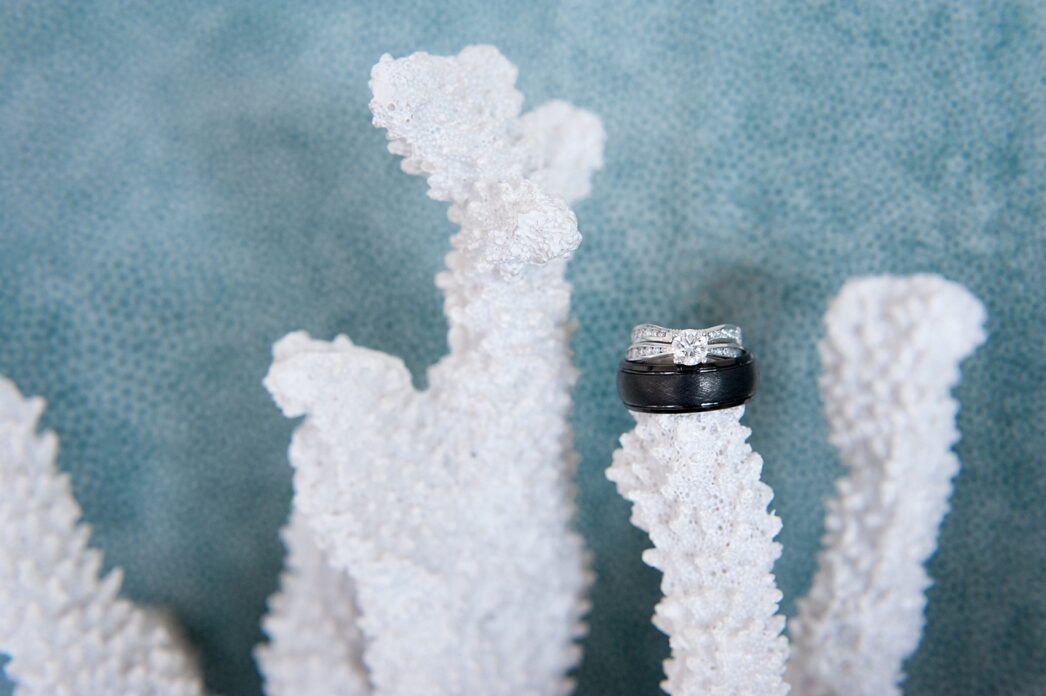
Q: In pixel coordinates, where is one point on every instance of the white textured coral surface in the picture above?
(451, 509)
(315, 647)
(890, 356)
(65, 629)
(694, 485)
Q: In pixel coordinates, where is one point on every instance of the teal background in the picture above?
(183, 183)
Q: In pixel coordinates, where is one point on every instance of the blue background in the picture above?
(182, 184)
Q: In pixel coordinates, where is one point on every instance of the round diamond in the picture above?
(689, 347)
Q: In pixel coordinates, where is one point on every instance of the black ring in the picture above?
(668, 388)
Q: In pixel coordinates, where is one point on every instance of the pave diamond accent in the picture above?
(648, 332)
(646, 351)
(724, 333)
(690, 347)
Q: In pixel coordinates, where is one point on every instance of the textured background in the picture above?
(182, 185)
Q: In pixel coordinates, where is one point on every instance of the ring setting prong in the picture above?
(690, 347)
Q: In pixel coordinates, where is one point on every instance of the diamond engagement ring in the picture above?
(656, 344)
(686, 370)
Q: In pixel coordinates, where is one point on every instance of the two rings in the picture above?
(686, 370)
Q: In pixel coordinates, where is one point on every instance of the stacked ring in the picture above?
(653, 343)
(651, 384)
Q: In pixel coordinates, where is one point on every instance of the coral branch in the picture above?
(453, 118)
(67, 632)
(567, 146)
(694, 486)
(315, 647)
(456, 121)
(889, 358)
(451, 508)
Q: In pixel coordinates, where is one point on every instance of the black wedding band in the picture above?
(664, 388)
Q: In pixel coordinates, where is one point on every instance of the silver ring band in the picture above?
(663, 352)
(656, 344)
(722, 333)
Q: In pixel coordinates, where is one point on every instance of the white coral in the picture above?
(890, 356)
(315, 647)
(453, 118)
(67, 632)
(451, 508)
(510, 226)
(694, 485)
(566, 144)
